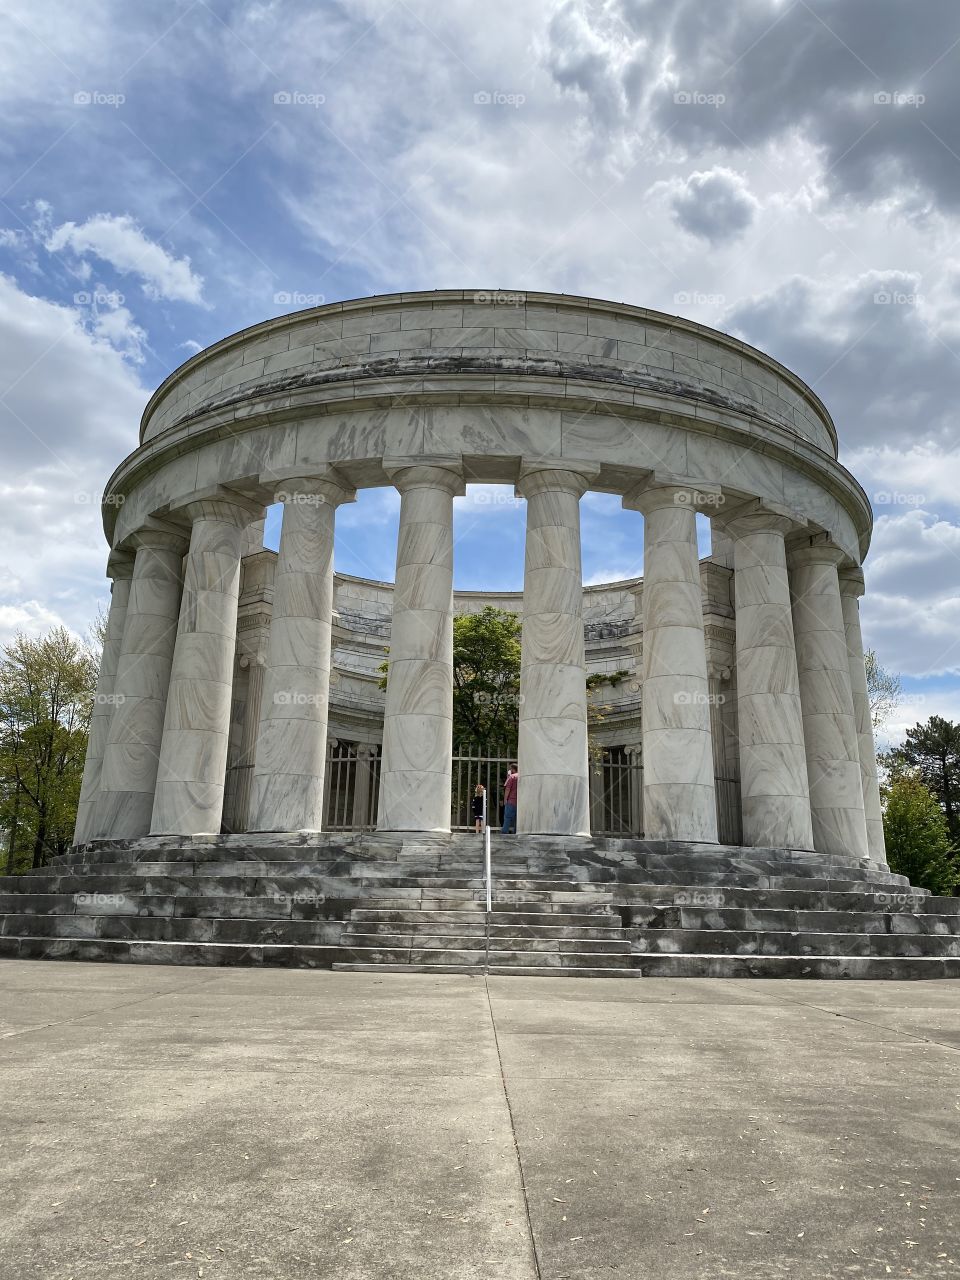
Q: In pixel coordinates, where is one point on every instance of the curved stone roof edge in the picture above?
(373, 301)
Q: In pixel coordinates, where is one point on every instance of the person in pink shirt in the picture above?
(510, 801)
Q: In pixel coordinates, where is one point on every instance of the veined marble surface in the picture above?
(829, 728)
(193, 752)
(418, 713)
(132, 756)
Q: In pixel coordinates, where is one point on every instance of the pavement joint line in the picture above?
(877, 1026)
(91, 1013)
(513, 1132)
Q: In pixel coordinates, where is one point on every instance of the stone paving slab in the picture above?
(372, 1126)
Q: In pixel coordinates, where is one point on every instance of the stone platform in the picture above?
(561, 906)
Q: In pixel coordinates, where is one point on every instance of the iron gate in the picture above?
(352, 787)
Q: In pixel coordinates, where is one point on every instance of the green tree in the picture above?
(883, 689)
(486, 679)
(46, 696)
(917, 836)
(932, 751)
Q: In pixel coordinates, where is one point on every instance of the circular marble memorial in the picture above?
(552, 394)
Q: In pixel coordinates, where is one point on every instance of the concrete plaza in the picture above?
(181, 1122)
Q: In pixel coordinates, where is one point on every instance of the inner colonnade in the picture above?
(430, 392)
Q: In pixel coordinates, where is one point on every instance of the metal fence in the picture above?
(352, 787)
(470, 766)
(729, 822)
(616, 789)
(616, 793)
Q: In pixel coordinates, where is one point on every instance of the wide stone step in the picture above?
(736, 918)
(495, 970)
(195, 929)
(283, 907)
(809, 898)
(497, 942)
(743, 865)
(601, 920)
(294, 956)
(721, 879)
(349, 871)
(467, 925)
(887, 968)
(480, 927)
(683, 941)
(450, 955)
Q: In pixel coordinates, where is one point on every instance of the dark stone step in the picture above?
(637, 897)
(731, 942)
(721, 918)
(187, 953)
(196, 929)
(887, 968)
(599, 920)
(479, 927)
(497, 970)
(501, 942)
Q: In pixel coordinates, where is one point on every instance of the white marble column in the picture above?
(775, 797)
(120, 569)
(679, 798)
(829, 727)
(143, 677)
(851, 589)
(196, 728)
(553, 795)
(418, 716)
(287, 792)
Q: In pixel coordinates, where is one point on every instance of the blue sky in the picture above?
(785, 171)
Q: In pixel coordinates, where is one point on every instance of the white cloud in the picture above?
(69, 411)
(919, 705)
(29, 616)
(117, 326)
(118, 240)
(480, 500)
(913, 477)
(911, 609)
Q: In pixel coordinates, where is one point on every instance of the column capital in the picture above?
(538, 477)
(217, 503)
(159, 536)
(120, 564)
(818, 549)
(426, 473)
(737, 519)
(851, 582)
(325, 485)
(661, 489)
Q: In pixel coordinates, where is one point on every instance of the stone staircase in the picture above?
(378, 901)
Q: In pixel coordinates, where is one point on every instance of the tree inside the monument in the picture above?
(932, 750)
(486, 679)
(917, 836)
(486, 682)
(47, 686)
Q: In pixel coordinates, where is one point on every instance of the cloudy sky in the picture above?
(788, 172)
